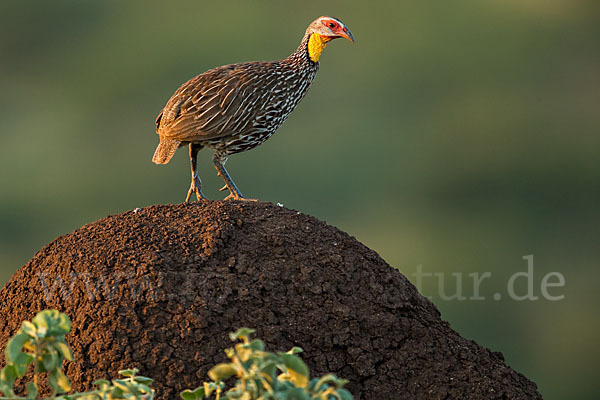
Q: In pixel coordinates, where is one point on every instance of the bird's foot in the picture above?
(195, 187)
(238, 197)
(235, 195)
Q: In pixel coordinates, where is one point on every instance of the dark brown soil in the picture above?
(161, 288)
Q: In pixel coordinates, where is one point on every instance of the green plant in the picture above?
(263, 375)
(42, 343)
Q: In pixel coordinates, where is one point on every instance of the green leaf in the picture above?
(64, 350)
(116, 393)
(295, 350)
(8, 376)
(129, 372)
(51, 323)
(6, 390)
(297, 370)
(222, 371)
(127, 386)
(344, 394)
(58, 382)
(297, 394)
(42, 322)
(330, 379)
(63, 325)
(85, 397)
(341, 382)
(50, 361)
(144, 388)
(102, 383)
(39, 366)
(270, 369)
(257, 345)
(32, 391)
(14, 346)
(29, 329)
(22, 362)
(123, 385)
(195, 394)
(143, 380)
(241, 333)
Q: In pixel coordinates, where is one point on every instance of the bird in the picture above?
(236, 107)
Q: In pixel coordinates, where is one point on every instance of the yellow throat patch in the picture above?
(316, 44)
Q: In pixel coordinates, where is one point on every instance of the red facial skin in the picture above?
(338, 30)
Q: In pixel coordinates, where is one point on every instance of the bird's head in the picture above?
(321, 31)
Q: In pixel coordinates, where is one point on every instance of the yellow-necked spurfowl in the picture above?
(236, 107)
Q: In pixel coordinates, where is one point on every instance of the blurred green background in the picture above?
(456, 136)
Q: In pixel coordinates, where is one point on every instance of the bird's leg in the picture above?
(196, 186)
(234, 192)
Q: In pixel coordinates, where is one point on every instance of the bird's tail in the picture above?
(165, 150)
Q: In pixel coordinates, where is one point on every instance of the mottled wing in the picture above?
(216, 103)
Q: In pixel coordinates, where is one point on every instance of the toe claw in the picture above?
(195, 188)
(238, 197)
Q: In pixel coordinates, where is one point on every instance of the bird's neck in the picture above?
(309, 51)
(316, 45)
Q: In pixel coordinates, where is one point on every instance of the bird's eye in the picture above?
(331, 25)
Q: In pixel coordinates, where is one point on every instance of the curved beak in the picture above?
(345, 33)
